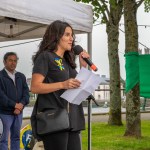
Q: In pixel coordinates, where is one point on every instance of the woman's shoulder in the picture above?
(45, 55)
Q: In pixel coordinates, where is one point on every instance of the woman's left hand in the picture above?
(82, 55)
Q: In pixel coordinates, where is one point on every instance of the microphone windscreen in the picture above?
(77, 49)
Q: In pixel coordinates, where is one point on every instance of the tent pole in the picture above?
(89, 38)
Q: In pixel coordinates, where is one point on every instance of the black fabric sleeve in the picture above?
(25, 95)
(41, 64)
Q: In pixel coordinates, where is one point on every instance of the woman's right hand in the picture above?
(71, 83)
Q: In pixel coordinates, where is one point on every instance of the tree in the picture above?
(133, 119)
(110, 13)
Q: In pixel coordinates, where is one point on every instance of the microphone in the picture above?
(91, 97)
(77, 50)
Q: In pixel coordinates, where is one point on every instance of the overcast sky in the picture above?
(99, 47)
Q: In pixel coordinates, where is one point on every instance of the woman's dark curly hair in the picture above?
(51, 38)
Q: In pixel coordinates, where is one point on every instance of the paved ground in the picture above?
(102, 117)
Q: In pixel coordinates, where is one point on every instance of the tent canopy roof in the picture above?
(27, 19)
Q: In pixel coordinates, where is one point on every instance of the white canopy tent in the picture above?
(27, 19)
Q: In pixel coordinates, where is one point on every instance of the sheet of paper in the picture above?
(89, 82)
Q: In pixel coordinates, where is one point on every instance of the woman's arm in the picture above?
(38, 87)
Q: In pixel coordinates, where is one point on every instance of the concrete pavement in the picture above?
(103, 117)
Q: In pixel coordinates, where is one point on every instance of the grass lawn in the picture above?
(105, 137)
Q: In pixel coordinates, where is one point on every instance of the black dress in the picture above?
(56, 69)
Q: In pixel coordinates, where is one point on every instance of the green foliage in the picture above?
(105, 137)
(113, 3)
(84, 1)
(98, 8)
(147, 5)
(101, 8)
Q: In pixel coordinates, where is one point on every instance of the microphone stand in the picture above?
(91, 97)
